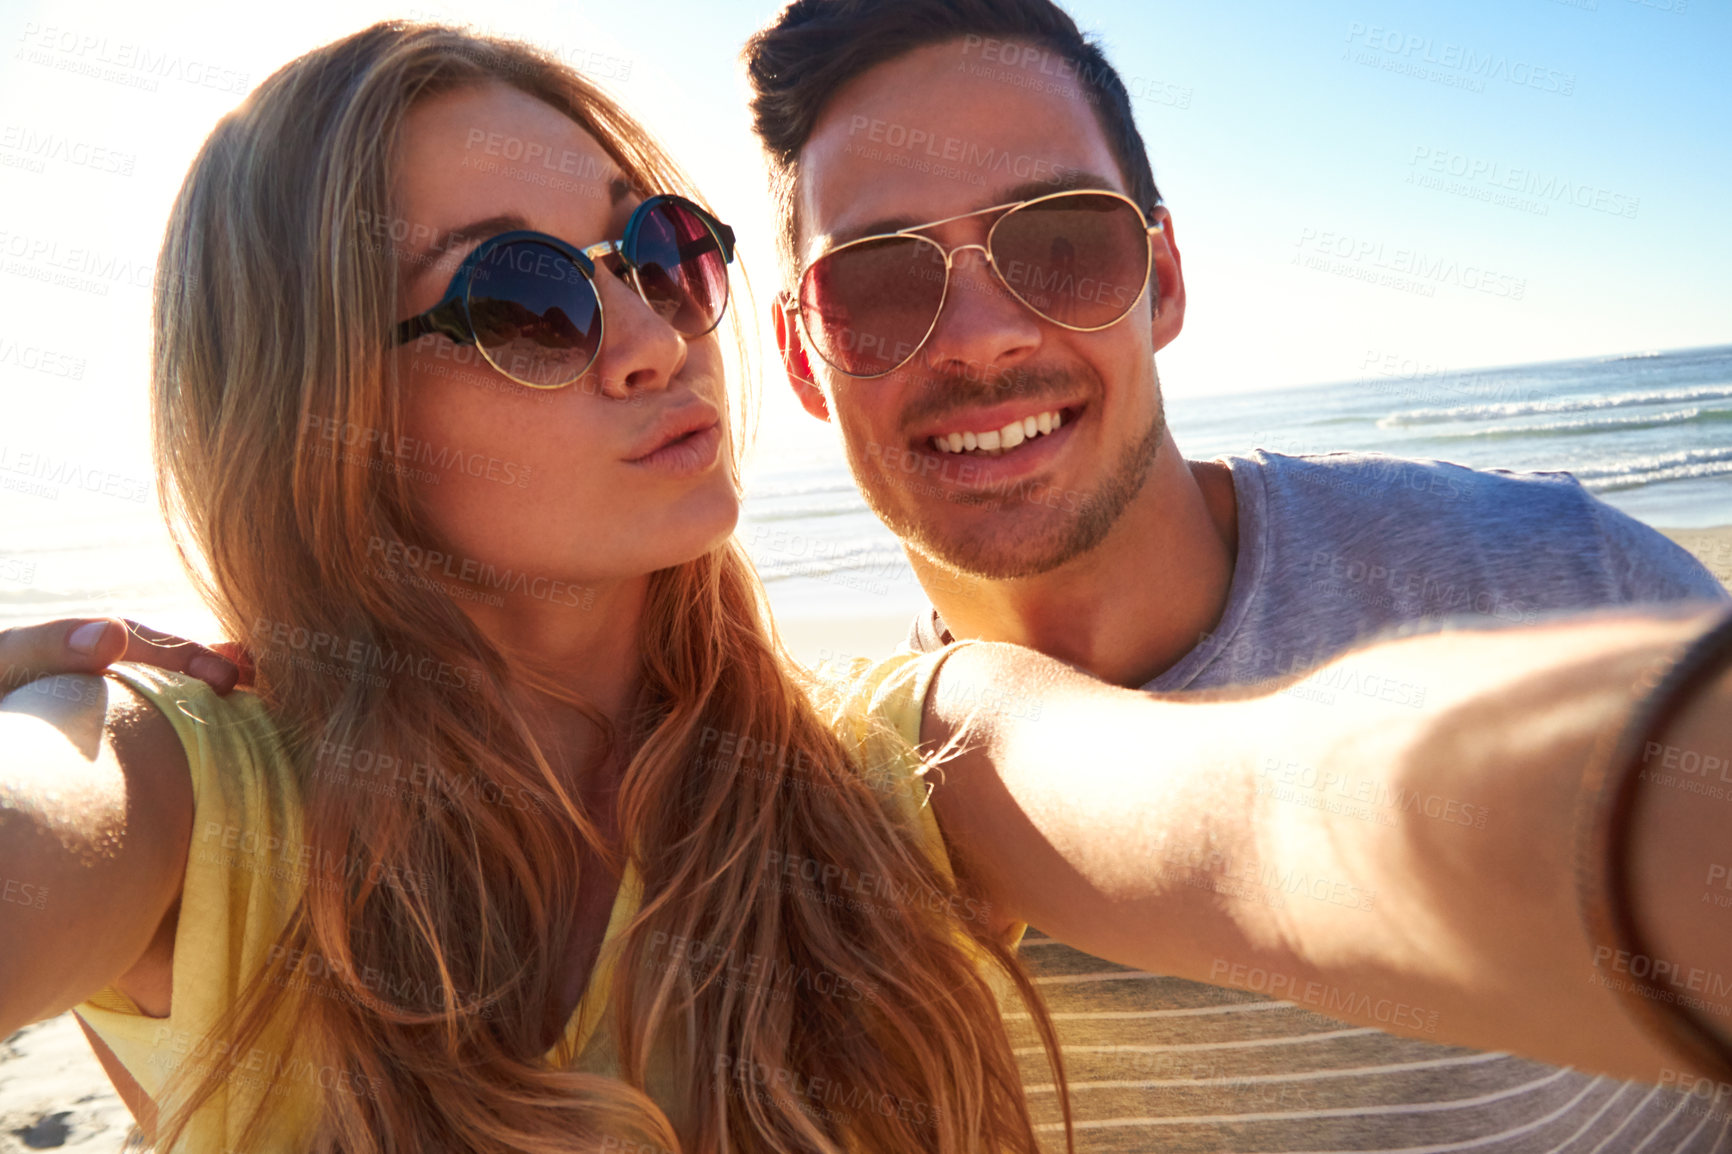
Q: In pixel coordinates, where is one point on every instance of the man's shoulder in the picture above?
(1410, 502)
(1414, 527)
(1354, 479)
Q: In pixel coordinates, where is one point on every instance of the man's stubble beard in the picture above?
(990, 555)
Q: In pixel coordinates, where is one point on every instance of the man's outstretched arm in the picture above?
(1391, 840)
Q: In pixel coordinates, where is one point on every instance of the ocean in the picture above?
(1651, 433)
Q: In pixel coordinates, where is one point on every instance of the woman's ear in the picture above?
(795, 362)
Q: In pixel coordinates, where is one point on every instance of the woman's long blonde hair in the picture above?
(277, 291)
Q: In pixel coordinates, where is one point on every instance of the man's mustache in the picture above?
(941, 395)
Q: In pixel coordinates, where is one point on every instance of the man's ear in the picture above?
(1168, 282)
(796, 363)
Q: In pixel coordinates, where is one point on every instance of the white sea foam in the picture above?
(1558, 405)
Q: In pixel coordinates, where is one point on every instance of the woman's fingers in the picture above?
(90, 645)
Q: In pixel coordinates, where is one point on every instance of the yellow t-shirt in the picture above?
(247, 866)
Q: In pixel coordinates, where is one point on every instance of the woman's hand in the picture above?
(90, 645)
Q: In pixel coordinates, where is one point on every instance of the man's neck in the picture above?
(1130, 608)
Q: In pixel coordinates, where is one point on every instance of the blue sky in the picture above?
(1448, 184)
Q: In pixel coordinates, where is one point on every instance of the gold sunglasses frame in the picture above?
(791, 304)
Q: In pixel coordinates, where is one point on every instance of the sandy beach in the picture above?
(54, 1095)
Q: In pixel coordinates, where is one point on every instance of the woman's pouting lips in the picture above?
(687, 455)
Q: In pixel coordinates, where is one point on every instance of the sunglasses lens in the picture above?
(868, 306)
(535, 314)
(1080, 260)
(681, 268)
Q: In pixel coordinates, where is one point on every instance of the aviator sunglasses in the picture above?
(528, 300)
(1079, 259)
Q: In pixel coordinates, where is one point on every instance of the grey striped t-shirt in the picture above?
(1334, 548)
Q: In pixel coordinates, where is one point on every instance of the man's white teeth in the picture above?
(998, 441)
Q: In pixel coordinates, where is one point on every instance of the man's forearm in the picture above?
(1390, 841)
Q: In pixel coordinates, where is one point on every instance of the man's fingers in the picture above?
(70, 645)
(90, 645)
(235, 652)
(166, 651)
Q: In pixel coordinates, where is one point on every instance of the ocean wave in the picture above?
(1562, 405)
(1600, 425)
(1634, 472)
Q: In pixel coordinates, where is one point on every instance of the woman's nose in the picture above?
(640, 350)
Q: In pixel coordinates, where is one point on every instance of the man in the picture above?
(997, 395)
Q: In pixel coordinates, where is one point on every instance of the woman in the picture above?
(532, 838)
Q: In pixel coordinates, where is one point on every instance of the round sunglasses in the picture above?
(528, 301)
(1079, 259)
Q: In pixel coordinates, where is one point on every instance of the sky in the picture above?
(1359, 189)
(1354, 184)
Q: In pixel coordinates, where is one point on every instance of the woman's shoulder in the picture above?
(863, 697)
(248, 809)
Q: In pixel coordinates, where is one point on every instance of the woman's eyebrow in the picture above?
(455, 237)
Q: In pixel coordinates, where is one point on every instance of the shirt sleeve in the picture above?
(877, 709)
(246, 868)
(1647, 566)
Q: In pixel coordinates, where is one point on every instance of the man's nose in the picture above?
(982, 324)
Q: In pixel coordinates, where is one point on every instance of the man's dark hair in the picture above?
(816, 46)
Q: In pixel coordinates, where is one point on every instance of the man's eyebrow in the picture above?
(1070, 181)
(456, 237)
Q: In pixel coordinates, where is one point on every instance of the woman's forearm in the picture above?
(1390, 840)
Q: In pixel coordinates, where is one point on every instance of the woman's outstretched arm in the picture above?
(95, 819)
(1391, 840)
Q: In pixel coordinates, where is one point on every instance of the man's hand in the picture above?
(90, 645)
